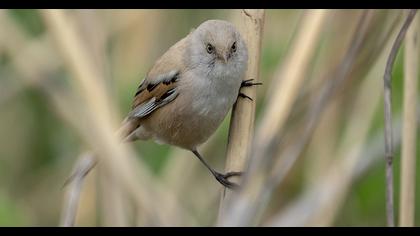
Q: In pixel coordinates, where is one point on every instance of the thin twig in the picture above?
(389, 151)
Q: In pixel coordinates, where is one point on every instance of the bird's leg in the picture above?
(247, 83)
(222, 178)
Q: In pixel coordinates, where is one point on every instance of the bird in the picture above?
(189, 90)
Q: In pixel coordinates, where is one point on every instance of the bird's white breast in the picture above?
(215, 97)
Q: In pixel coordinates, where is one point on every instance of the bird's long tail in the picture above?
(126, 132)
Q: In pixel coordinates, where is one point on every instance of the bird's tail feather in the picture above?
(126, 130)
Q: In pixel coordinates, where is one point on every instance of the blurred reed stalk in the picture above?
(241, 128)
(288, 155)
(113, 198)
(15, 42)
(286, 86)
(409, 131)
(71, 202)
(138, 182)
(305, 208)
(334, 184)
(288, 83)
(322, 99)
(389, 149)
(326, 204)
(323, 141)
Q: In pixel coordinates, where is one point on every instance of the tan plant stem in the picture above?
(389, 149)
(409, 131)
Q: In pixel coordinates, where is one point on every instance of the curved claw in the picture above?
(248, 83)
(223, 179)
(242, 95)
(232, 173)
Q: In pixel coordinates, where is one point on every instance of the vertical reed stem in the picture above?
(243, 113)
(409, 130)
(389, 150)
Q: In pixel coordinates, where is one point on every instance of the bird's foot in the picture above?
(249, 83)
(223, 179)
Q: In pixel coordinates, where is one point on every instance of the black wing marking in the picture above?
(152, 104)
(166, 79)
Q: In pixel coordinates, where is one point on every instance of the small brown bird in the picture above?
(188, 92)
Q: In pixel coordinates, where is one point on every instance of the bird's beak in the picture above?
(224, 57)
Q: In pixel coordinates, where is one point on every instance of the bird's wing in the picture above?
(151, 95)
(154, 93)
(158, 89)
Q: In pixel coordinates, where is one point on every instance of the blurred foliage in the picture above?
(29, 20)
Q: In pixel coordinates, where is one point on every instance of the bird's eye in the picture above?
(233, 48)
(209, 48)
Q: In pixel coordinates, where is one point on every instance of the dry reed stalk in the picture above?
(291, 154)
(179, 170)
(131, 59)
(33, 75)
(241, 210)
(30, 74)
(287, 84)
(325, 136)
(18, 46)
(35, 48)
(319, 204)
(129, 172)
(308, 203)
(304, 207)
(323, 143)
(113, 198)
(341, 72)
(409, 131)
(349, 149)
(87, 75)
(185, 176)
(361, 36)
(389, 149)
(94, 35)
(71, 202)
(115, 204)
(380, 24)
(241, 128)
(43, 62)
(87, 214)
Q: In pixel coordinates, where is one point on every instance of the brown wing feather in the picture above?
(160, 80)
(150, 90)
(156, 93)
(155, 84)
